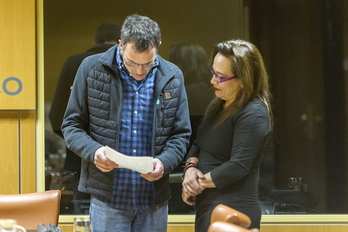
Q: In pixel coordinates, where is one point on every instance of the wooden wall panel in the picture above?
(9, 153)
(264, 228)
(18, 55)
(27, 152)
(17, 92)
(181, 228)
(304, 228)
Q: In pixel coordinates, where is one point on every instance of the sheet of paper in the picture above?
(142, 164)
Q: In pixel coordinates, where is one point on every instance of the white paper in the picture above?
(142, 164)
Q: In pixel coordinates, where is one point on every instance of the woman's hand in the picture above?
(187, 198)
(190, 184)
(206, 181)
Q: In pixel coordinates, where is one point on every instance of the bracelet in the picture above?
(188, 162)
(188, 165)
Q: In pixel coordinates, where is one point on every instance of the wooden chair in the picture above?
(230, 215)
(220, 226)
(30, 209)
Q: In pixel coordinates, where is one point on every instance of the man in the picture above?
(106, 36)
(133, 101)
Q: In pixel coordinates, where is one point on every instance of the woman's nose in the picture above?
(213, 80)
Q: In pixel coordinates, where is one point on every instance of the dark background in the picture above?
(304, 45)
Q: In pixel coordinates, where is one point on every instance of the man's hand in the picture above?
(191, 183)
(102, 162)
(157, 173)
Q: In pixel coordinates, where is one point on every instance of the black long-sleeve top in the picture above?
(232, 152)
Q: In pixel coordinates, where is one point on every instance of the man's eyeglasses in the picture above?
(221, 79)
(132, 64)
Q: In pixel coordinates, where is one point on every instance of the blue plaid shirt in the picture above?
(130, 190)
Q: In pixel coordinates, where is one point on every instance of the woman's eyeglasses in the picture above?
(221, 79)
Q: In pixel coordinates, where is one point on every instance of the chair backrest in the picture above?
(220, 226)
(30, 209)
(228, 214)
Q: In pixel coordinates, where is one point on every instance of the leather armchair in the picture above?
(230, 215)
(220, 226)
(30, 209)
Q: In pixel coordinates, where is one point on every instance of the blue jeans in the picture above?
(107, 219)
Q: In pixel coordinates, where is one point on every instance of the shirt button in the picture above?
(135, 112)
(134, 131)
(134, 151)
(136, 92)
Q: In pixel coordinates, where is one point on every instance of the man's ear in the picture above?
(120, 43)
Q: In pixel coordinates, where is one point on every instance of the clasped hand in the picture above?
(194, 183)
(191, 185)
(106, 165)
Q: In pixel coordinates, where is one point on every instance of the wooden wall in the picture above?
(17, 96)
(264, 228)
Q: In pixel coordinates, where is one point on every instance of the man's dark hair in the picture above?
(107, 33)
(142, 31)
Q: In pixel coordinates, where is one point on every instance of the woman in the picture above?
(223, 164)
(194, 63)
